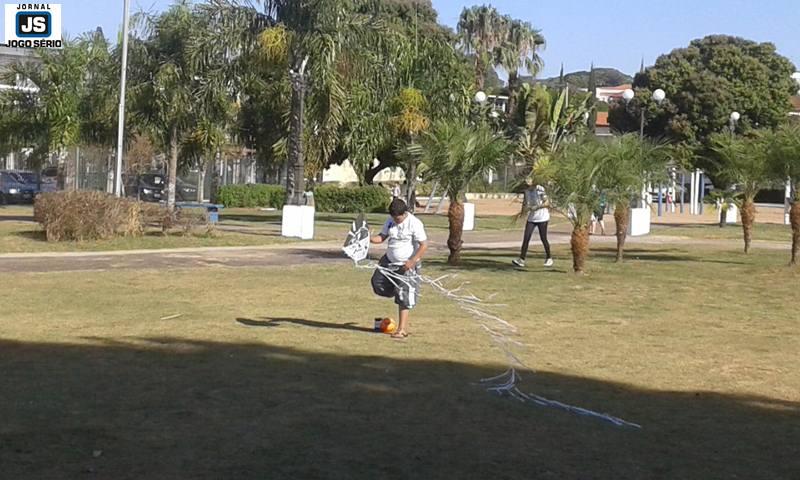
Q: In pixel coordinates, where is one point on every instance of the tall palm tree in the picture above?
(46, 114)
(630, 163)
(519, 50)
(481, 29)
(317, 42)
(409, 122)
(571, 177)
(164, 82)
(453, 154)
(741, 161)
(544, 121)
(783, 154)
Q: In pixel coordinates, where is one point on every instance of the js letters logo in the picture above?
(33, 25)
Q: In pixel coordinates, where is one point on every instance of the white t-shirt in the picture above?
(404, 239)
(536, 198)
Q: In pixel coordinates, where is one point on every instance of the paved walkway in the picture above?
(304, 253)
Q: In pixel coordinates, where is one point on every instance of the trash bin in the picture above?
(213, 213)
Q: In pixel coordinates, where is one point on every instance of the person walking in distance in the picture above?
(535, 201)
(597, 216)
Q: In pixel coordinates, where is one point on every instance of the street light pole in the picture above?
(734, 119)
(121, 122)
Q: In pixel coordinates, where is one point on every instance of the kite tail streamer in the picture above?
(499, 330)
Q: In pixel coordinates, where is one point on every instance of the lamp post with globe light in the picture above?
(734, 119)
(658, 96)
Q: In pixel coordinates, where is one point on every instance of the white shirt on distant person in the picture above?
(535, 198)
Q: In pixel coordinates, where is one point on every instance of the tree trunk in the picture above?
(172, 172)
(201, 181)
(411, 182)
(455, 215)
(62, 178)
(580, 248)
(212, 170)
(794, 218)
(748, 218)
(622, 219)
(480, 72)
(513, 86)
(296, 178)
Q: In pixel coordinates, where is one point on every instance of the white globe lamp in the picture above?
(480, 97)
(628, 95)
(735, 116)
(659, 95)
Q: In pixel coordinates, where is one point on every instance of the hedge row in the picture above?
(249, 196)
(369, 199)
(327, 198)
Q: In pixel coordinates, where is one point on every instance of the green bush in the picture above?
(335, 199)
(249, 196)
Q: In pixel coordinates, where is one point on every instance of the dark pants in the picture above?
(404, 291)
(529, 228)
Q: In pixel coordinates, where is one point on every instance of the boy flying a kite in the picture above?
(407, 245)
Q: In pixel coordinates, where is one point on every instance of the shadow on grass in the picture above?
(35, 235)
(172, 408)
(660, 255)
(268, 219)
(275, 322)
(16, 218)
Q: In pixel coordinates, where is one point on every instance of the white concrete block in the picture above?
(639, 222)
(469, 216)
(298, 222)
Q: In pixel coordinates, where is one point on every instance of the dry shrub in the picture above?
(87, 216)
(154, 215)
(187, 220)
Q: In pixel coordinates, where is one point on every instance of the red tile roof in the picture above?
(602, 119)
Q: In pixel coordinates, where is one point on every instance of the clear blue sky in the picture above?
(612, 33)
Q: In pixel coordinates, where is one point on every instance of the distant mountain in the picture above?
(604, 77)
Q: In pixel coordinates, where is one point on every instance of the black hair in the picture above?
(397, 207)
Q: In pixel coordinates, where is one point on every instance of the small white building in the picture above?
(609, 94)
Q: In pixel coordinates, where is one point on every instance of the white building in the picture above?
(609, 94)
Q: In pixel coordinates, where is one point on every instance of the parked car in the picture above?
(49, 179)
(151, 187)
(185, 192)
(41, 185)
(14, 188)
(147, 187)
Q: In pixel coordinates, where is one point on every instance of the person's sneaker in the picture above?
(519, 262)
(548, 262)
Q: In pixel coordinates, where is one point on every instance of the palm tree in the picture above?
(519, 49)
(453, 154)
(571, 177)
(545, 120)
(164, 82)
(46, 114)
(481, 29)
(783, 154)
(317, 43)
(409, 122)
(630, 163)
(741, 161)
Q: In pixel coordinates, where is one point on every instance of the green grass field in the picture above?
(273, 373)
(761, 231)
(238, 227)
